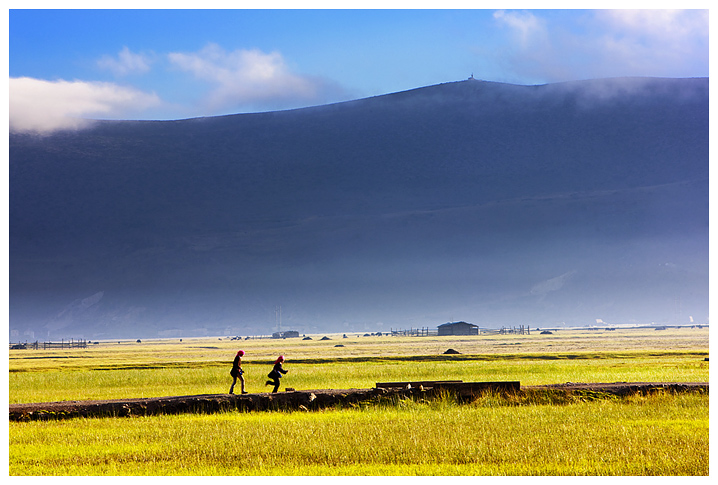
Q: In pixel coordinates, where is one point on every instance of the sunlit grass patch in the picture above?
(158, 381)
(531, 433)
(662, 434)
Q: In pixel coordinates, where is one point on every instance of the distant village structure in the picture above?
(458, 328)
(286, 334)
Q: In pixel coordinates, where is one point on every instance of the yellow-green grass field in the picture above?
(662, 434)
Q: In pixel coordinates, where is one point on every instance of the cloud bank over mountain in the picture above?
(39, 106)
(243, 79)
(173, 64)
(491, 203)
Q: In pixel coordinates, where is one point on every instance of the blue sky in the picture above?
(67, 65)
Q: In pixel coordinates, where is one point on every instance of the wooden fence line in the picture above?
(63, 344)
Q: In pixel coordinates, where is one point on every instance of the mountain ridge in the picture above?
(323, 208)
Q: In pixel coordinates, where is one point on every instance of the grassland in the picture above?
(651, 435)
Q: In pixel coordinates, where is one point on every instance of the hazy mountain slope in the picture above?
(492, 203)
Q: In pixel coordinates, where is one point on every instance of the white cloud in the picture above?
(527, 27)
(604, 43)
(39, 106)
(125, 63)
(661, 24)
(250, 78)
(653, 41)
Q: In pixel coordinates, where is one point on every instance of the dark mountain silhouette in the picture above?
(496, 204)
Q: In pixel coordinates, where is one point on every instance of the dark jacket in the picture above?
(236, 367)
(277, 371)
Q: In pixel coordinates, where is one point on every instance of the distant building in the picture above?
(458, 328)
(287, 334)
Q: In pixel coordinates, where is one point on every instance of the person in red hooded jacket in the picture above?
(276, 373)
(237, 372)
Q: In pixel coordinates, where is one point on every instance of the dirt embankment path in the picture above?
(318, 399)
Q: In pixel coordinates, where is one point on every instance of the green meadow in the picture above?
(661, 434)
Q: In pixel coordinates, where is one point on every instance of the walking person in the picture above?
(237, 372)
(276, 373)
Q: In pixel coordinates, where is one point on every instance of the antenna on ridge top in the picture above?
(471, 77)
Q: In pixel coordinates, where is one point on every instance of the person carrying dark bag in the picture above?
(276, 373)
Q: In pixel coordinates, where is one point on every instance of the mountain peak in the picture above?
(394, 211)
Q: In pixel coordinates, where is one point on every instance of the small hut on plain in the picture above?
(458, 328)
